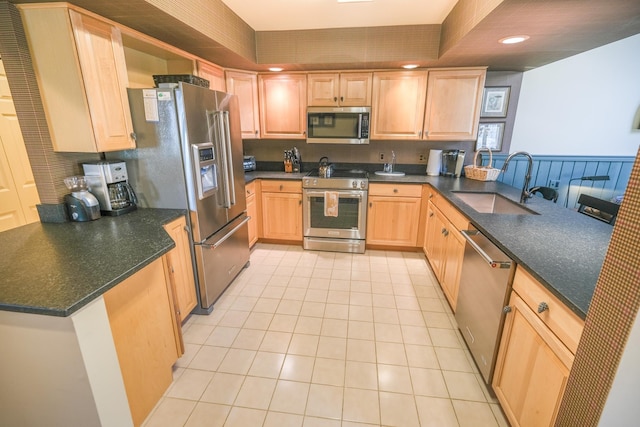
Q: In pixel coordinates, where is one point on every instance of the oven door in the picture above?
(350, 222)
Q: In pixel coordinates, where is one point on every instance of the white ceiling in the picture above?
(274, 15)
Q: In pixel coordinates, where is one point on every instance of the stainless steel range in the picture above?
(335, 211)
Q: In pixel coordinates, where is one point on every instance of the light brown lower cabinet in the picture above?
(180, 268)
(146, 335)
(281, 203)
(533, 362)
(393, 214)
(444, 245)
(252, 213)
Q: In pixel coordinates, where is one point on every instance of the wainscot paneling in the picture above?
(547, 169)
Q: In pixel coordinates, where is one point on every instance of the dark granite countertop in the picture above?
(561, 248)
(56, 269)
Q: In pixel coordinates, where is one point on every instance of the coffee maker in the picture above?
(452, 163)
(108, 181)
(81, 204)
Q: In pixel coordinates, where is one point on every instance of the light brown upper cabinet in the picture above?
(245, 86)
(454, 98)
(283, 105)
(339, 89)
(214, 74)
(80, 67)
(398, 104)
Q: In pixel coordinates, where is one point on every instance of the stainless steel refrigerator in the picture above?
(189, 156)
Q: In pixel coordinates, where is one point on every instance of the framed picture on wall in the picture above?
(495, 101)
(490, 136)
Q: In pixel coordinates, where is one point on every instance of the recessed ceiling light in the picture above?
(513, 39)
(353, 1)
(410, 66)
(275, 69)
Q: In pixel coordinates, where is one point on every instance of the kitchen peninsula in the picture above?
(73, 297)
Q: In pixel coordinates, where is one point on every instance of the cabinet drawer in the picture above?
(458, 220)
(399, 190)
(270, 186)
(565, 324)
(250, 189)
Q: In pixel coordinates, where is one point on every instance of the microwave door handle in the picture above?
(229, 156)
(359, 126)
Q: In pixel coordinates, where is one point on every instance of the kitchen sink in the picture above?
(492, 203)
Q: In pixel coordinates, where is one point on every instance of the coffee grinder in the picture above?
(108, 181)
(81, 204)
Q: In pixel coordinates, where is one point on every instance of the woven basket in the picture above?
(482, 173)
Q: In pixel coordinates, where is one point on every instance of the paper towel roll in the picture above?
(433, 164)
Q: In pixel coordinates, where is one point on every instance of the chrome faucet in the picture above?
(525, 187)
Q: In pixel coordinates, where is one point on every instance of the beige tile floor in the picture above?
(304, 338)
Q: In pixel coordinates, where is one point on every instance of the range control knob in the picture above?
(306, 182)
(363, 184)
(354, 184)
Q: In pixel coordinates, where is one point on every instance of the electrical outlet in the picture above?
(422, 158)
(554, 183)
(381, 156)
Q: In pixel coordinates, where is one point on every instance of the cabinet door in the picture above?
(435, 240)
(283, 101)
(452, 263)
(252, 213)
(104, 71)
(532, 368)
(398, 104)
(282, 216)
(323, 90)
(181, 268)
(214, 74)
(245, 86)
(147, 341)
(454, 98)
(393, 221)
(355, 89)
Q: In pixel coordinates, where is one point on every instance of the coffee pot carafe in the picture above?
(81, 204)
(108, 181)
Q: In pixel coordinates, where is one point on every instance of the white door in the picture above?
(18, 194)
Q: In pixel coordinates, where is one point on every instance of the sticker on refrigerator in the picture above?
(150, 105)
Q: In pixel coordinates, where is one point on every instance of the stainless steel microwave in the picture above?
(338, 125)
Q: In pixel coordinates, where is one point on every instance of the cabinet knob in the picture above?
(430, 214)
(299, 202)
(370, 204)
(446, 233)
(335, 99)
(172, 270)
(341, 98)
(281, 187)
(506, 309)
(256, 132)
(542, 307)
(443, 230)
(420, 133)
(395, 190)
(133, 136)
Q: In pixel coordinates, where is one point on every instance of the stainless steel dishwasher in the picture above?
(485, 281)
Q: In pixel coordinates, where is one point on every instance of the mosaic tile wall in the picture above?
(611, 315)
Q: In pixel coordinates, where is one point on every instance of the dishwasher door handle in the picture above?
(493, 263)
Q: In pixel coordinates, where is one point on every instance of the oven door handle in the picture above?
(341, 193)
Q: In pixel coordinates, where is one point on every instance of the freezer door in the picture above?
(220, 259)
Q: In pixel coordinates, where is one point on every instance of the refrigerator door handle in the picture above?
(221, 147)
(229, 157)
(226, 236)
